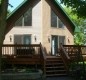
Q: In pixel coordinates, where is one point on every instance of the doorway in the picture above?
(55, 43)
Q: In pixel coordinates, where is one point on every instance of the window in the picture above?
(60, 24)
(57, 40)
(55, 21)
(27, 39)
(22, 39)
(17, 39)
(28, 18)
(61, 40)
(25, 19)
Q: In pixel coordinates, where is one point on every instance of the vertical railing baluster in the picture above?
(10, 50)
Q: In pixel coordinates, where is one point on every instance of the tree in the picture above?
(3, 15)
(78, 6)
(77, 14)
(83, 30)
(74, 17)
(79, 37)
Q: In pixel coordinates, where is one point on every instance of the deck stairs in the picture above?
(54, 66)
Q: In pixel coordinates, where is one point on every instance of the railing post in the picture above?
(43, 57)
(15, 50)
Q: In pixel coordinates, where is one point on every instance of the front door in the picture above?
(54, 45)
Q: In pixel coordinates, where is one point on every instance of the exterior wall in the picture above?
(41, 28)
(34, 30)
(48, 30)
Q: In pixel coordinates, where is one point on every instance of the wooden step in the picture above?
(54, 66)
(53, 58)
(51, 75)
(54, 63)
(55, 71)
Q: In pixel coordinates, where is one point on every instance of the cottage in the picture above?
(40, 21)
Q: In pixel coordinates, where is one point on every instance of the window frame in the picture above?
(23, 19)
(22, 38)
(57, 21)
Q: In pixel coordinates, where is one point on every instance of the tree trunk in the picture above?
(3, 15)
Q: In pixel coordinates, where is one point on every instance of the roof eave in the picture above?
(16, 9)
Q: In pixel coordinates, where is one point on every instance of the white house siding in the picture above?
(34, 30)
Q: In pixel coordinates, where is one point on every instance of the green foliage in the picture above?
(78, 21)
(79, 36)
(78, 6)
(83, 30)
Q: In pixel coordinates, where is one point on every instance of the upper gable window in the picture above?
(55, 21)
(60, 24)
(25, 19)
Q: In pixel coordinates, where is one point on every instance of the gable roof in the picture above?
(16, 9)
(28, 3)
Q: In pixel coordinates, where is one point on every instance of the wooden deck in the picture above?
(24, 60)
(74, 59)
(23, 54)
(34, 55)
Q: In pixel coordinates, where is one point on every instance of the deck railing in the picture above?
(32, 54)
(74, 57)
(75, 50)
(43, 57)
(19, 49)
(22, 54)
(65, 57)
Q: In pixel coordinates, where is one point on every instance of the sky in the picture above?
(14, 3)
